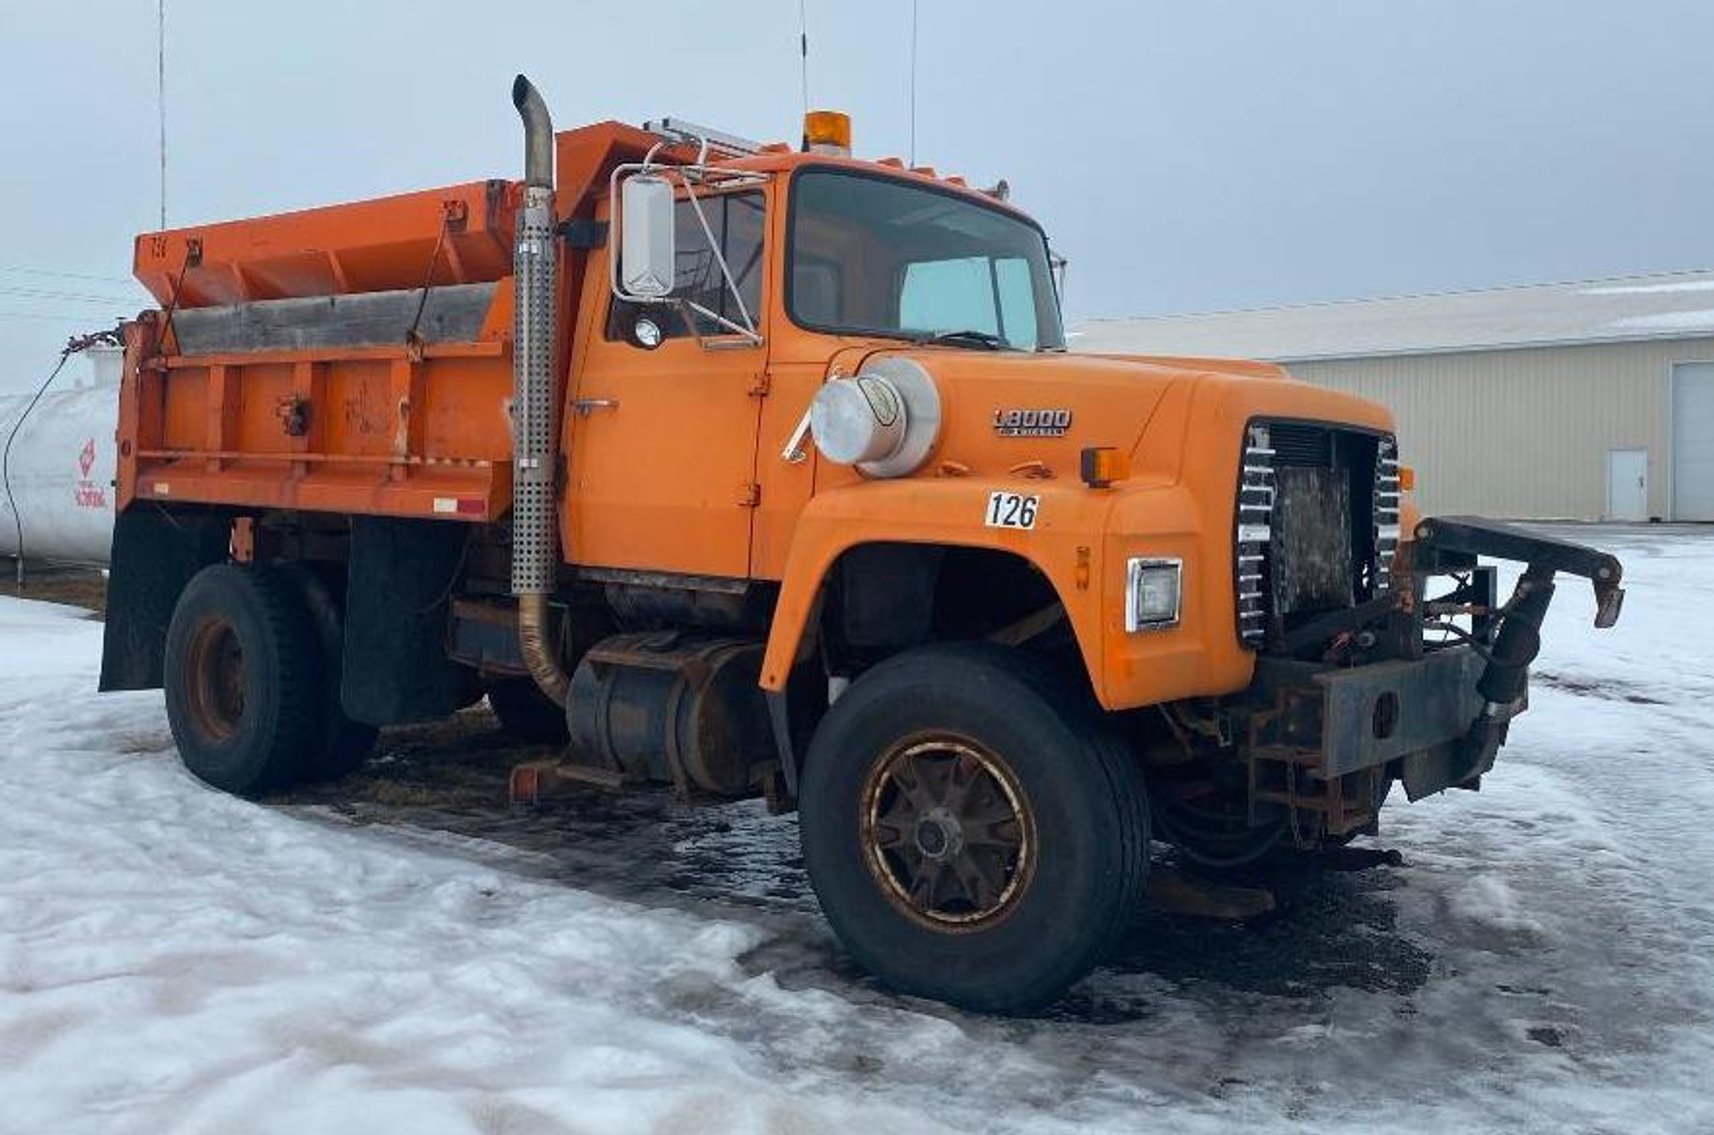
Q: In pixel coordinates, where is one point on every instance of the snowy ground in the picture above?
(173, 960)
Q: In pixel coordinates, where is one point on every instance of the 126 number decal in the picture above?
(1011, 510)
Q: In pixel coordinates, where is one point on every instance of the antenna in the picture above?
(803, 48)
(913, 160)
(161, 95)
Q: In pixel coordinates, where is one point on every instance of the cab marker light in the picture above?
(1101, 465)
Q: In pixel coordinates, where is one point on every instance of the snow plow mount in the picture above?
(1451, 543)
(1446, 544)
(1324, 739)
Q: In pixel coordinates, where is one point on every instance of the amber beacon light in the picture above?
(827, 132)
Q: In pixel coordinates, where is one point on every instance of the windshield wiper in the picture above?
(979, 339)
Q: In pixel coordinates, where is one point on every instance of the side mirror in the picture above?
(647, 253)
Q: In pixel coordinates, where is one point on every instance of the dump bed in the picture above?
(461, 234)
(354, 358)
(350, 358)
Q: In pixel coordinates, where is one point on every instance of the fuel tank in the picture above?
(671, 708)
(59, 473)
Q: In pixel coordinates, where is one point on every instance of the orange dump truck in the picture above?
(756, 471)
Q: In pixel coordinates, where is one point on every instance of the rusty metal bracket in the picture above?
(293, 410)
(532, 781)
(243, 545)
(1465, 536)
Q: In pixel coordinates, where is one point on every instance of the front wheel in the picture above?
(974, 831)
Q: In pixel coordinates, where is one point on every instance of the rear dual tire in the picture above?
(525, 712)
(252, 673)
(974, 830)
(343, 744)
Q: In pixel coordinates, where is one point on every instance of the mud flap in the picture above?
(155, 553)
(402, 576)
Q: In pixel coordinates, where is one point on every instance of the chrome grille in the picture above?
(1288, 445)
(1386, 510)
(1254, 533)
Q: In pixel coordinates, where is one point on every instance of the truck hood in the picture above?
(1001, 410)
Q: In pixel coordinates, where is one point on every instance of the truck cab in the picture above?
(759, 471)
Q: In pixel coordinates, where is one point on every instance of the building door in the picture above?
(1693, 441)
(1627, 484)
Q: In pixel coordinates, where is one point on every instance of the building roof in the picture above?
(1676, 306)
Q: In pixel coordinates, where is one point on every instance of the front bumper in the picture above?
(1411, 719)
(1328, 740)
(1417, 713)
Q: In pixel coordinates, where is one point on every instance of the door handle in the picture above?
(587, 406)
(794, 453)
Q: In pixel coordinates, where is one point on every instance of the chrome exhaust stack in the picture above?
(535, 551)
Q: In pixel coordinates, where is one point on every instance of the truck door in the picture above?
(663, 439)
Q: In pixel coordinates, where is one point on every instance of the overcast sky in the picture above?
(1187, 156)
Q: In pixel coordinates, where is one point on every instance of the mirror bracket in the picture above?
(623, 199)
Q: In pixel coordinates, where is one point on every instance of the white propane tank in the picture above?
(61, 466)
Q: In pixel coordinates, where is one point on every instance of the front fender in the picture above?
(1064, 544)
(1081, 540)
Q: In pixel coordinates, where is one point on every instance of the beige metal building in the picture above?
(1578, 401)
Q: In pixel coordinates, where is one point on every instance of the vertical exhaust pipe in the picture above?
(535, 551)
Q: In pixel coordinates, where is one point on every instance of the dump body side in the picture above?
(353, 359)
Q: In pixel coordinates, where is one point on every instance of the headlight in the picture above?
(884, 421)
(1152, 593)
(860, 419)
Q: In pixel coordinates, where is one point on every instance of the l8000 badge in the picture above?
(1032, 423)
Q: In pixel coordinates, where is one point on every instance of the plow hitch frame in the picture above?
(1451, 544)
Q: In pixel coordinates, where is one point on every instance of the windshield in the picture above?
(875, 256)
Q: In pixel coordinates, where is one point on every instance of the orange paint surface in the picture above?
(673, 455)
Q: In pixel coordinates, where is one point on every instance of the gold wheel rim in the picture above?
(947, 832)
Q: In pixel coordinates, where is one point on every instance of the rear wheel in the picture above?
(973, 830)
(527, 713)
(343, 744)
(244, 679)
